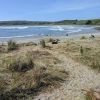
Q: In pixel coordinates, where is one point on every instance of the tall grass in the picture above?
(42, 44)
(3, 85)
(28, 74)
(92, 95)
(81, 50)
(83, 37)
(84, 52)
(12, 45)
(20, 64)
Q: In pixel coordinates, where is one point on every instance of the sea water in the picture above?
(16, 32)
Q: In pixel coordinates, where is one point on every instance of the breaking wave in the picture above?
(14, 27)
(17, 36)
(57, 28)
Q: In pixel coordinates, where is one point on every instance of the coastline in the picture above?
(21, 34)
(37, 39)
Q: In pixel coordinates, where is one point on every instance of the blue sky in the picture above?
(49, 10)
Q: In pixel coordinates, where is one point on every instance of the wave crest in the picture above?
(14, 27)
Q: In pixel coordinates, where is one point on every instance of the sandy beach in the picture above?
(61, 38)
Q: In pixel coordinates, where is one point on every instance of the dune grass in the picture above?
(20, 64)
(91, 94)
(84, 51)
(25, 73)
(83, 37)
(29, 74)
(12, 45)
(42, 43)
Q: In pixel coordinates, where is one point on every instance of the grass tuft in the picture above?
(20, 64)
(42, 44)
(83, 37)
(12, 45)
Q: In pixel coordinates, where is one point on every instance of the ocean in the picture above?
(21, 32)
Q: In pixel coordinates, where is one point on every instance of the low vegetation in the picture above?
(84, 51)
(83, 37)
(42, 44)
(29, 73)
(81, 50)
(12, 45)
(91, 94)
(63, 22)
(27, 44)
(20, 64)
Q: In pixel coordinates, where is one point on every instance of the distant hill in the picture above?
(23, 23)
(79, 22)
(63, 22)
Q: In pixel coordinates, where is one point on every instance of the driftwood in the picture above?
(55, 41)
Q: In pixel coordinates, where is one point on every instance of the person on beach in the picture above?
(66, 34)
(92, 36)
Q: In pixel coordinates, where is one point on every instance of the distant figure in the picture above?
(92, 36)
(66, 34)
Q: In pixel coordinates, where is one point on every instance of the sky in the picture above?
(49, 10)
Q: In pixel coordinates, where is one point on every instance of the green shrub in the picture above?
(88, 22)
(42, 43)
(12, 45)
(21, 64)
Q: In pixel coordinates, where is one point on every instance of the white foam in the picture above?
(57, 28)
(87, 27)
(72, 31)
(14, 27)
(17, 36)
(70, 27)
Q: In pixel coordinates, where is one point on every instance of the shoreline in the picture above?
(36, 36)
(37, 39)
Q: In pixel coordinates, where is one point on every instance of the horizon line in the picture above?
(51, 20)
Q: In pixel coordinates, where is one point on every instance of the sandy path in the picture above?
(80, 77)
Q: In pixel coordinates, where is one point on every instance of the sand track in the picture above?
(81, 77)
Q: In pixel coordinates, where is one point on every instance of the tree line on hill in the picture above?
(63, 22)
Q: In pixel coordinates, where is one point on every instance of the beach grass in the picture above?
(30, 70)
(85, 51)
(29, 73)
(11, 45)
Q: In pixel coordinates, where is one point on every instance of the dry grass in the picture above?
(42, 43)
(83, 37)
(29, 73)
(26, 73)
(85, 51)
(12, 45)
(20, 64)
(27, 44)
(91, 94)
(44, 58)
